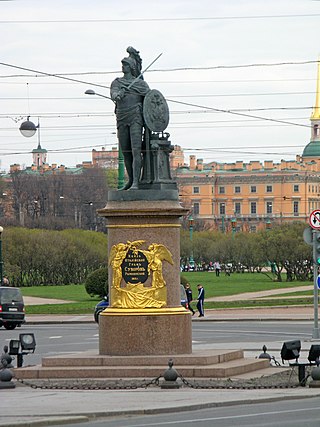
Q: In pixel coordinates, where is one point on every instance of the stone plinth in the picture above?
(154, 217)
(159, 332)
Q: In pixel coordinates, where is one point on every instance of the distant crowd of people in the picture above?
(212, 266)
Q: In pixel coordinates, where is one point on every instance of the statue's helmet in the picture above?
(132, 64)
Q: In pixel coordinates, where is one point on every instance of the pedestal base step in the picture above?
(206, 364)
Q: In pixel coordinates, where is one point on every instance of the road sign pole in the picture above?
(315, 332)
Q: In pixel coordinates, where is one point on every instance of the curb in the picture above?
(48, 420)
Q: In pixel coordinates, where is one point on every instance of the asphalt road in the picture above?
(291, 413)
(54, 339)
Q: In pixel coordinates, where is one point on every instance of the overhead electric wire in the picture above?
(158, 82)
(166, 19)
(53, 75)
(208, 95)
(180, 102)
(63, 75)
(237, 113)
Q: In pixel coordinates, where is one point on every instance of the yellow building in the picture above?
(248, 196)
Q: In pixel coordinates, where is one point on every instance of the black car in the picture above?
(12, 312)
(100, 307)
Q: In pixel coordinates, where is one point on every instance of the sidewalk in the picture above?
(24, 406)
(254, 295)
(231, 314)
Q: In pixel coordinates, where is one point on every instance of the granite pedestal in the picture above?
(152, 216)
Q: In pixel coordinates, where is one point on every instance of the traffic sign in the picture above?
(314, 219)
(318, 281)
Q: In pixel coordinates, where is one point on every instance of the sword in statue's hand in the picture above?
(142, 72)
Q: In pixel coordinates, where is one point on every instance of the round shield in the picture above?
(155, 111)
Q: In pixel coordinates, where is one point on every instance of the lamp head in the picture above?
(291, 350)
(14, 346)
(28, 128)
(28, 342)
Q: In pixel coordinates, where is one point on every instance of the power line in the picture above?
(215, 67)
(156, 82)
(239, 114)
(208, 95)
(179, 102)
(166, 19)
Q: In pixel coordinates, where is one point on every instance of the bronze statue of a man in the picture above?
(128, 93)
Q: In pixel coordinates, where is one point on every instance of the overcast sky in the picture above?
(252, 57)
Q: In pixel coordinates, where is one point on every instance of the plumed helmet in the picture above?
(134, 61)
(132, 64)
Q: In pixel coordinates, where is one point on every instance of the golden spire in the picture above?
(316, 110)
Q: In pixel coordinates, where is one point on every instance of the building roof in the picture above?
(39, 149)
(312, 149)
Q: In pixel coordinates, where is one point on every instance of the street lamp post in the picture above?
(233, 225)
(191, 260)
(1, 260)
(120, 154)
(268, 224)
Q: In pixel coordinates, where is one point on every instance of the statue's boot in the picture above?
(126, 187)
(134, 186)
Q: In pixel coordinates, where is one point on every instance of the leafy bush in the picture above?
(96, 282)
(37, 257)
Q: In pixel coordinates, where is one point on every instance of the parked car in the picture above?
(100, 307)
(105, 303)
(12, 312)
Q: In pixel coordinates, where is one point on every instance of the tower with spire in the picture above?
(39, 156)
(312, 150)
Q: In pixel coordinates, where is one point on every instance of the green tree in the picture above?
(284, 247)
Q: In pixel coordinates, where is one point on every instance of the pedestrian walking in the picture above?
(200, 299)
(189, 297)
(217, 268)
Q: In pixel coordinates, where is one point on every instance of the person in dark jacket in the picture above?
(200, 300)
(189, 297)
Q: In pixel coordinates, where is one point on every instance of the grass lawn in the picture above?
(237, 283)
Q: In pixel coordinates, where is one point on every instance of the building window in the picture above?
(237, 189)
(269, 207)
(253, 208)
(253, 189)
(296, 208)
(296, 188)
(237, 208)
(196, 208)
(269, 189)
(222, 209)
(253, 228)
(221, 190)
(196, 190)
